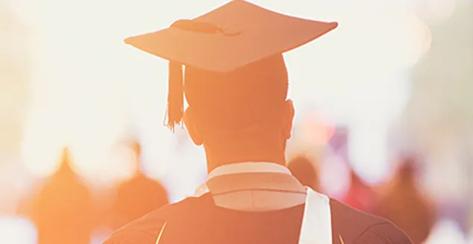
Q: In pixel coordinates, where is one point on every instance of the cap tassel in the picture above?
(175, 95)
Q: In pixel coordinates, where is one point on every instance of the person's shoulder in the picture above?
(354, 226)
(146, 229)
(385, 232)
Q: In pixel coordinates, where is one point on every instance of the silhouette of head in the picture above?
(252, 94)
(407, 171)
(245, 104)
(65, 161)
(235, 79)
(134, 146)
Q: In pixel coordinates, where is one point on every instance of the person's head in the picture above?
(235, 79)
(243, 114)
(65, 163)
(408, 170)
(135, 147)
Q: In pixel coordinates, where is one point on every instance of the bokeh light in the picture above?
(16, 230)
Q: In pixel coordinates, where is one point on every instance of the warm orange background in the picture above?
(397, 74)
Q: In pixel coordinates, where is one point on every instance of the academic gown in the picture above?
(199, 220)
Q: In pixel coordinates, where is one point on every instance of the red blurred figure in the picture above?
(405, 204)
(360, 195)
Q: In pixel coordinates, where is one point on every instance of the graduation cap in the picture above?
(230, 37)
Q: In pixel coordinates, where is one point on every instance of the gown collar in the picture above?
(316, 223)
(248, 167)
(241, 168)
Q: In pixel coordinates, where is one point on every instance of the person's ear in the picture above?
(287, 119)
(192, 128)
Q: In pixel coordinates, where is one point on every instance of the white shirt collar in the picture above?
(248, 167)
(243, 167)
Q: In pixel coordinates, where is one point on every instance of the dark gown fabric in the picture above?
(199, 220)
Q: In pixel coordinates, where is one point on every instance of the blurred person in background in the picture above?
(360, 195)
(405, 204)
(63, 210)
(138, 195)
(306, 171)
(229, 67)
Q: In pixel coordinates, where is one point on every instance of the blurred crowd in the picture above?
(65, 210)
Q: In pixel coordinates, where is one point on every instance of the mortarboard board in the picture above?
(232, 36)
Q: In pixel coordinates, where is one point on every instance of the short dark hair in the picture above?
(239, 98)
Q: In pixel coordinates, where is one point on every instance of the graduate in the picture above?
(228, 66)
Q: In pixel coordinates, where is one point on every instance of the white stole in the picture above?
(316, 225)
(316, 222)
